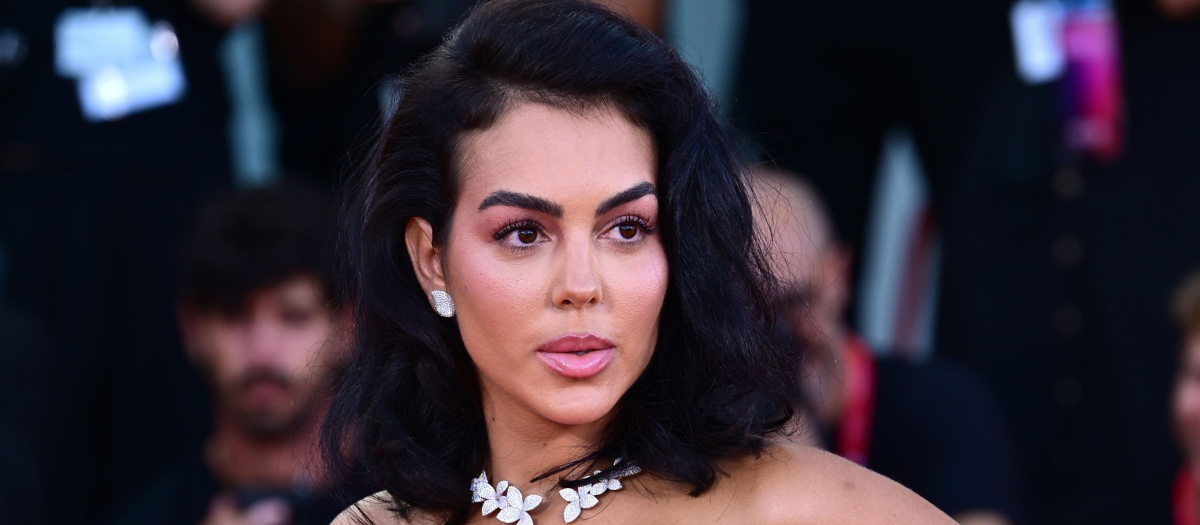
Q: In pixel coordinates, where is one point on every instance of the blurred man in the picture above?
(929, 426)
(1186, 404)
(1054, 264)
(258, 322)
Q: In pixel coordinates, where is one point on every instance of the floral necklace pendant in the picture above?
(514, 508)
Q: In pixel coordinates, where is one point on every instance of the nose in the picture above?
(263, 340)
(577, 284)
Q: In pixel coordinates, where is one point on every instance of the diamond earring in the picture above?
(442, 303)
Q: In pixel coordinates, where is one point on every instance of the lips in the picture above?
(262, 394)
(577, 355)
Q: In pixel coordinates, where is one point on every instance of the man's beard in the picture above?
(270, 423)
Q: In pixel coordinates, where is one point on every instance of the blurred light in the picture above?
(12, 48)
(1037, 40)
(112, 93)
(164, 45)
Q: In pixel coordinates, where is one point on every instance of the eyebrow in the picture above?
(521, 200)
(629, 195)
(554, 209)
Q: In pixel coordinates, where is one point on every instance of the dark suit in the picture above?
(1058, 273)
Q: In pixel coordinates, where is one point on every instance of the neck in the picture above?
(240, 459)
(524, 445)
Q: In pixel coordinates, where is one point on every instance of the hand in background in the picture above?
(982, 517)
(647, 13)
(230, 12)
(224, 511)
(1180, 10)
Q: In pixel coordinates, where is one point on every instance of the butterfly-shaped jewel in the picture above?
(492, 498)
(629, 470)
(577, 500)
(514, 508)
(584, 497)
(476, 484)
(604, 485)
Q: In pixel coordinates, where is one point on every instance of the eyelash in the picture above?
(641, 223)
(522, 224)
(529, 224)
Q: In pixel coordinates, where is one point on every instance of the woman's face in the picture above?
(553, 260)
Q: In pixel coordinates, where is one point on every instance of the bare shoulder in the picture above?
(373, 510)
(797, 484)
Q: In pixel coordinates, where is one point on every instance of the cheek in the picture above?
(498, 303)
(636, 288)
(1187, 403)
(224, 352)
(305, 349)
(1187, 412)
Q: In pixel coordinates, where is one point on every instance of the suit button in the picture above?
(1068, 320)
(1068, 392)
(1068, 183)
(1067, 250)
(1067, 460)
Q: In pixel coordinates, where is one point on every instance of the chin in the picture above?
(578, 408)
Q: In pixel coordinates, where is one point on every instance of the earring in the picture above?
(442, 303)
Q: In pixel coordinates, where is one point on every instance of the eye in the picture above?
(629, 229)
(527, 235)
(521, 234)
(296, 315)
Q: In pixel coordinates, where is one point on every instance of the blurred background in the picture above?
(1011, 187)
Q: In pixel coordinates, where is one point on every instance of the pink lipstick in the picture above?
(577, 355)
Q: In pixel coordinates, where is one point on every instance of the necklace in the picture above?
(514, 507)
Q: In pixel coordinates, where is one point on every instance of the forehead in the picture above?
(301, 289)
(791, 226)
(547, 151)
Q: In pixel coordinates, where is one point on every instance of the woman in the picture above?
(559, 302)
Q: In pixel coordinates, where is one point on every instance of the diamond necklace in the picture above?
(514, 508)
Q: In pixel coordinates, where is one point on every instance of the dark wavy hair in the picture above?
(407, 416)
(255, 239)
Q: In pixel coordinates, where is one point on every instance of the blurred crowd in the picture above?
(168, 313)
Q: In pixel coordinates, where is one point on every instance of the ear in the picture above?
(343, 320)
(341, 334)
(836, 263)
(426, 259)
